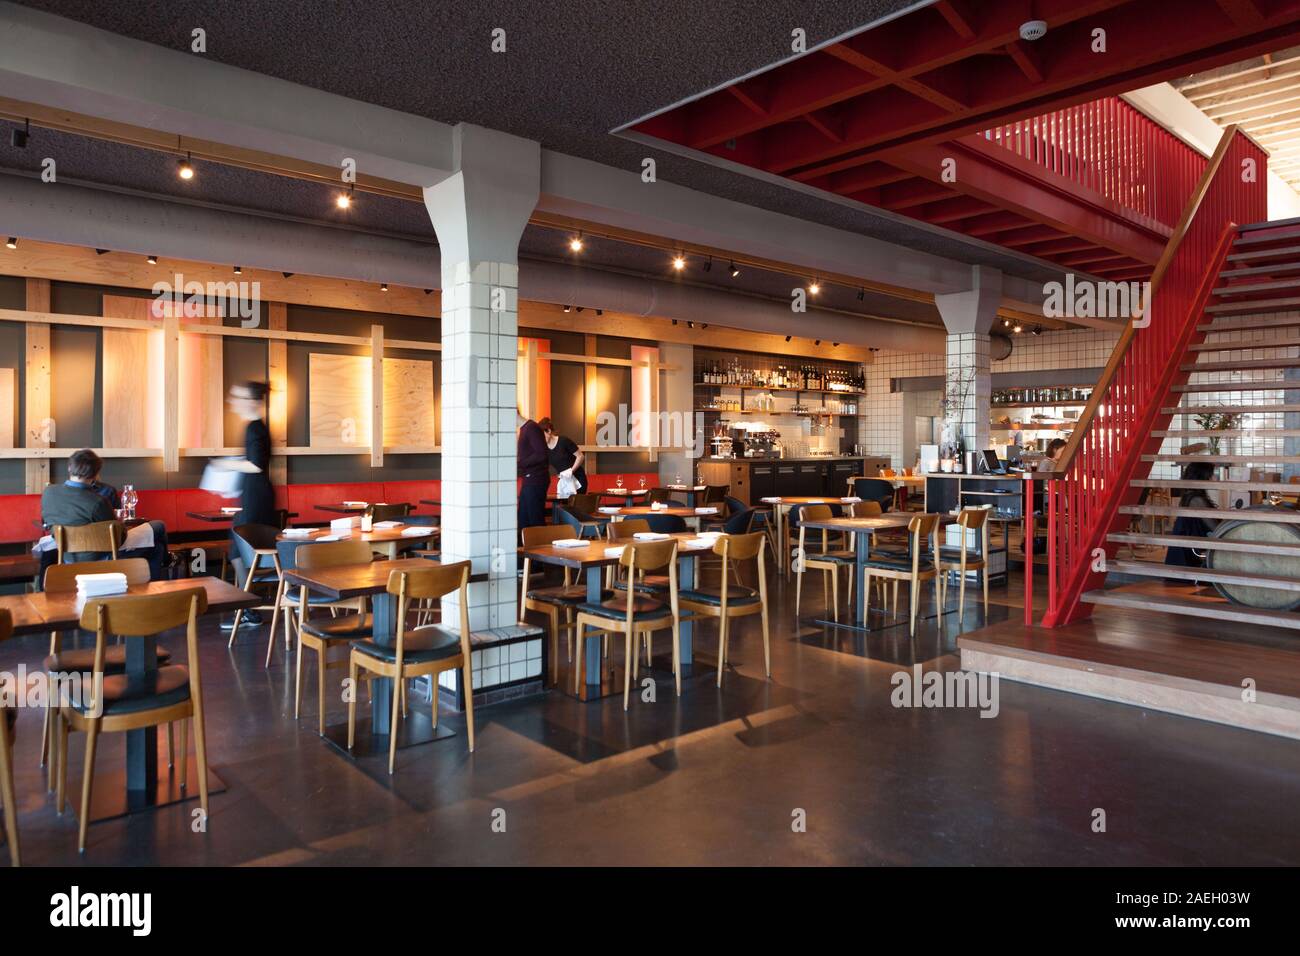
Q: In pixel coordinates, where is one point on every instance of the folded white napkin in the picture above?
(416, 532)
(571, 543)
(297, 532)
(609, 511)
(384, 525)
(616, 491)
(231, 511)
(332, 537)
(814, 501)
(770, 501)
(658, 506)
(696, 544)
(651, 536)
(850, 500)
(614, 552)
(710, 534)
(356, 504)
(344, 524)
(99, 585)
(706, 511)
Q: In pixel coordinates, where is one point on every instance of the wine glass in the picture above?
(641, 483)
(618, 482)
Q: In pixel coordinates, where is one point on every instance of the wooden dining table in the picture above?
(780, 519)
(689, 493)
(371, 580)
(591, 561)
(387, 541)
(140, 787)
(219, 516)
(692, 516)
(348, 507)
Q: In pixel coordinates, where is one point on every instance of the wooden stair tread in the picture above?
(1213, 484)
(1214, 514)
(1158, 570)
(1223, 610)
(1263, 458)
(1245, 272)
(1255, 305)
(1275, 384)
(1268, 224)
(1246, 287)
(1243, 345)
(1228, 433)
(1244, 365)
(1204, 544)
(1231, 409)
(1254, 255)
(1250, 323)
(1267, 236)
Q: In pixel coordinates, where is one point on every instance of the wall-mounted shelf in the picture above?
(770, 388)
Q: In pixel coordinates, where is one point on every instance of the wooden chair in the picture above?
(585, 503)
(715, 494)
(255, 545)
(910, 567)
(390, 512)
(172, 692)
(324, 633)
(8, 724)
(102, 537)
(423, 651)
(827, 560)
(663, 496)
(726, 601)
(551, 600)
(633, 612)
(62, 579)
(969, 520)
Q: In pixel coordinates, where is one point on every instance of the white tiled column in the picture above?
(968, 316)
(479, 213)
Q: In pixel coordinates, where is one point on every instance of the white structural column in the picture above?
(479, 213)
(968, 383)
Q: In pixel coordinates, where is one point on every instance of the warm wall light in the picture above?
(12, 243)
(734, 271)
(575, 244)
(814, 287)
(383, 287)
(344, 200)
(568, 308)
(679, 262)
(183, 169)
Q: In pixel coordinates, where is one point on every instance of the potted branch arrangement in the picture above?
(957, 386)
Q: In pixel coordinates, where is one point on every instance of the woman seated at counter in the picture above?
(565, 455)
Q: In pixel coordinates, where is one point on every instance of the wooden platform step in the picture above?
(1260, 459)
(1214, 514)
(1154, 569)
(1220, 610)
(1227, 409)
(1213, 484)
(1243, 365)
(1283, 304)
(1204, 544)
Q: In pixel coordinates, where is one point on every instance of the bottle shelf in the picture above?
(773, 388)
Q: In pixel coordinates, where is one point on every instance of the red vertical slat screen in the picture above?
(1082, 500)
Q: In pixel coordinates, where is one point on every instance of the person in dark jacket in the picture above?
(533, 464)
(1192, 527)
(256, 497)
(564, 454)
(84, 499)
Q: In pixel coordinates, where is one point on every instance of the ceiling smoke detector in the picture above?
(1033, 29)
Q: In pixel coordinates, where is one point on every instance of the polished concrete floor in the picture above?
(712, 777)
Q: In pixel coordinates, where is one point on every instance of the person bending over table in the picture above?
(533, 464)
(564, 454)
(84, 499)
(256, 496)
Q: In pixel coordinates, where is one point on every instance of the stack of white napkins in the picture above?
(385, 525)
(850, 500)
(651, 536)
(694, 544)
(706, 510)
(658, 506)
(99, 585)
(345, 525)
(614, 552)
(609, 511)
(297, 532)
(415, 531)
(332, 537)
(770, 501)
(571, 543)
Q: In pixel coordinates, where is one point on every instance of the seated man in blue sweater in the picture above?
(84, 499)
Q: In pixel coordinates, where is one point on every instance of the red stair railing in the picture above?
(1080, 501)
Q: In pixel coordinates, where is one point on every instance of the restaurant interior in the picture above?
(802, 446)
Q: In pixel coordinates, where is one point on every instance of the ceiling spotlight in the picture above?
(600, 311)
(101, 252)
(674, 321)
(735, 271)
(835, 345)
(19, 137)
(239, 270)
(862, 294)
(704, 325)
(428, 292)
(817, 341)
(679, 262)
(1006, 323)
(152, 260)
(183, 169)
(383, 287)
(287, 275)
(344, 200)
(708, 266)
(1036, 330)
(575, 244)
(690, 325)
(788, 337)
(568, 308)
(814, 287)
(1016, 329)
(12, 243)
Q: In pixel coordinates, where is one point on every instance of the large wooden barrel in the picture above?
(1265, 565)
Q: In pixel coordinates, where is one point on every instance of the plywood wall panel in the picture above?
(409, 410)
(340, 400)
